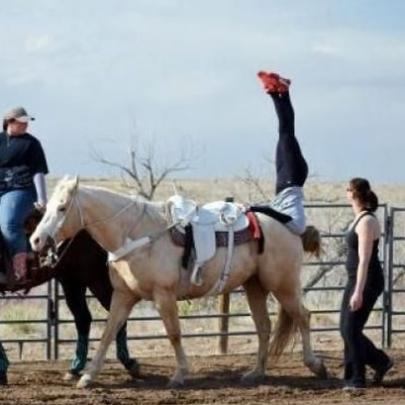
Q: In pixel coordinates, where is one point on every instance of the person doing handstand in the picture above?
(291, 167)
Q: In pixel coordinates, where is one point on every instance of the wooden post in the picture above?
(223, 309)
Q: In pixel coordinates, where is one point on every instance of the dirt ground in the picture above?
(213, 380)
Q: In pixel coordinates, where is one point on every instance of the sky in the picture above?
(178, 77)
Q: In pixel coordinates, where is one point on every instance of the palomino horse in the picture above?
(153, 271)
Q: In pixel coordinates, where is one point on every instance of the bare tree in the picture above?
(254, 185)
(141, 171)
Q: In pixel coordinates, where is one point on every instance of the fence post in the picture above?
(390, 271)
(385, 253)
(223, 309)
(50, 321)
(56, 320)
(20, 349)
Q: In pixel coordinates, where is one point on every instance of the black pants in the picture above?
(291, 167)
(359, 350)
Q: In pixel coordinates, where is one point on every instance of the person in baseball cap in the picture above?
(23, 168)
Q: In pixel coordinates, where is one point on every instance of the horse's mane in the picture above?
(156, 210)
(137, 198)
(112, 192)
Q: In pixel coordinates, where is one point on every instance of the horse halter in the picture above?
(51, 233)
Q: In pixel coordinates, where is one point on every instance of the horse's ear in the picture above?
(76, 181)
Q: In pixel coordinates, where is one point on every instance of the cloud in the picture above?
(325, 49)
(44, 43)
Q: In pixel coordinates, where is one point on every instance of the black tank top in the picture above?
(375, 273)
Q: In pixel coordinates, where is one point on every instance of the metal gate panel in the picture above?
(396, 272)
(45, 319)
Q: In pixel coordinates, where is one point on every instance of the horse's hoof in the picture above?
(174, 385)
(84, 381)
(69, 376)
(322, 372)
(252, 378)
(134, 369)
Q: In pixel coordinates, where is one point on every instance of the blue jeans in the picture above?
(15, 207)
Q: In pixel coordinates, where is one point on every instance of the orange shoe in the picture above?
(273, 82)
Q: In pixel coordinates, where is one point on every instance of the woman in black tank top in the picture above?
(375, 276)
(364, 285)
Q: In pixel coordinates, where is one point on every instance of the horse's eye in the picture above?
(62, 209)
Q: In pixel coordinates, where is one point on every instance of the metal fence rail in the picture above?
(386, 323)
(224, 315)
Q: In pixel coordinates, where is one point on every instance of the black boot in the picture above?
(380, 372)
(3, 378)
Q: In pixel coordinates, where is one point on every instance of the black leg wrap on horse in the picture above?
(271, 212)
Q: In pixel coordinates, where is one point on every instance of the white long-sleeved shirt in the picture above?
(40, 188)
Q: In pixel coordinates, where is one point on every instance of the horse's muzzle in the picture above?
(39, 242)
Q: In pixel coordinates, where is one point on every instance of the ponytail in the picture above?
(371, 203)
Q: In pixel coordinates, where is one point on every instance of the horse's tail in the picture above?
(284, 332)
(311, 241)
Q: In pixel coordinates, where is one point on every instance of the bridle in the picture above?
(129, 244)
(83, 225)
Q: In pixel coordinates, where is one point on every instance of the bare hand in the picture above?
(356, 301)
(40, 206)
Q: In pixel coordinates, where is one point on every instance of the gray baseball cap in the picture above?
(19, 114)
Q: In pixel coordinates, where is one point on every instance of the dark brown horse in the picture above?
(82, 264)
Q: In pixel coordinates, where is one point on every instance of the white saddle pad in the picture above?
(223, 214)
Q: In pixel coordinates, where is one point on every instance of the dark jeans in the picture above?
(291, 167)
(359, 350)
(15, 207)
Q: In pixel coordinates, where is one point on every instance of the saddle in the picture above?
(202, 229)
(38, 270)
